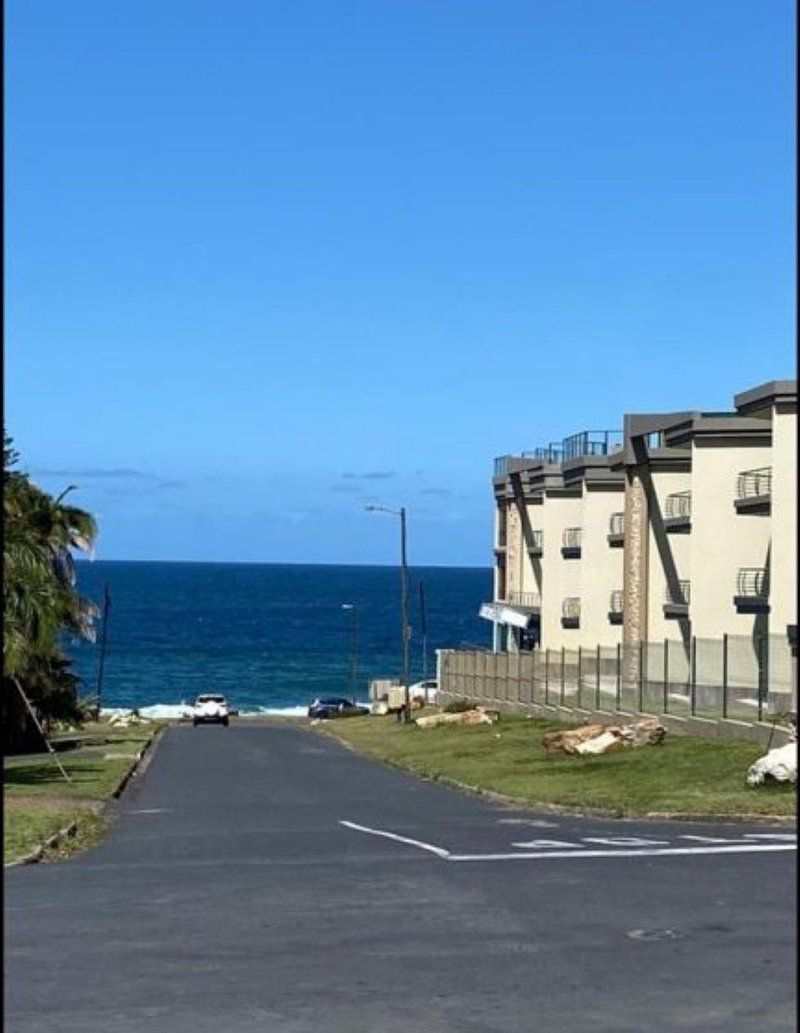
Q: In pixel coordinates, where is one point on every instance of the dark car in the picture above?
(335, 706)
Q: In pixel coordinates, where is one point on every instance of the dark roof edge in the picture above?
(765, 394)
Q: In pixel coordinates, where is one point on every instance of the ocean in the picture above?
(271, 637)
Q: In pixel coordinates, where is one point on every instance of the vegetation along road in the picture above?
(260, 877)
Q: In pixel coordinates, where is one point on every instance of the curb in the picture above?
(69, 830)
(115, 795)
(566, 809)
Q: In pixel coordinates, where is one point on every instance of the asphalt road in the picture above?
(229, 898)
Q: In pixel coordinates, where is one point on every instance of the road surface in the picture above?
(262, 878)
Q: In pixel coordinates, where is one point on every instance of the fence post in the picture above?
(725, 675)
(579, 686)
(563, 667)
(619, 673)
(641, 674)
(546, 676)
(694, 674)
(597, 682)
(666, 675)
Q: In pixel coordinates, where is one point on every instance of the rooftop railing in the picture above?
(752, 484)
(591, 443)
(679, 504)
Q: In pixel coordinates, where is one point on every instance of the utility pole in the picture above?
(103, 641)
(424, 631)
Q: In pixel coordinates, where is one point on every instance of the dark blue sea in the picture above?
(271, 637)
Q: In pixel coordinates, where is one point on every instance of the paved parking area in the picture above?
(263, 878)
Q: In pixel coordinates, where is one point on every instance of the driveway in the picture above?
(261, 878)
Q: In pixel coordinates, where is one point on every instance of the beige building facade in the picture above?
(679, 531)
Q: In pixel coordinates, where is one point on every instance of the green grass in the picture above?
(38, 801)
(683, 776)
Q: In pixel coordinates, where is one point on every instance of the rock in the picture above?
(609, 742)
(597, 739)
(465, 717)
(647, 732)
(780, 765)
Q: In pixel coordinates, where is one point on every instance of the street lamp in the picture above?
(354, 649)
(406, 631)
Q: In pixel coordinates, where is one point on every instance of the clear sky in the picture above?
(268, 259)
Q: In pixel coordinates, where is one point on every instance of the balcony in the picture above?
(571, 543)
(754, 491)
(529, 601)
(571, 613)
(615, 608)
(536, 546)
(752, 590)
(591, 443)
(616, 530)
(676, 600)
(678, 519)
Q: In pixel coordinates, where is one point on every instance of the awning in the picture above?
(501, 613)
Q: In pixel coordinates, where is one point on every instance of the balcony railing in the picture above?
(615, 602)
(552, 453)
(592, 443)
(680, 595)
(679, 504)
(752, 581)
(616, 529)
(752, 590)
(754, 491)
(754, 483)
(571, 612)
(501, 465)
(536, 546)
(571, 542)
(527, 600)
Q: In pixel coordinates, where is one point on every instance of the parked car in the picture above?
(210, 708)
(335, 706)
(424, 690)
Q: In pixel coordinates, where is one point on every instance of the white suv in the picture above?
(210, 708)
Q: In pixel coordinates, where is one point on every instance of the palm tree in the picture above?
(39, 594)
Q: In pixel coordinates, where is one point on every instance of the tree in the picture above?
(40, 598)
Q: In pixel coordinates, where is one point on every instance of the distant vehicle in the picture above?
(424, 690)
(210, 708)
(335, 706)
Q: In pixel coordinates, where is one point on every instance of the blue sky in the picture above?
(268, 260)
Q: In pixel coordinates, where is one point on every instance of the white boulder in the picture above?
(779, 764)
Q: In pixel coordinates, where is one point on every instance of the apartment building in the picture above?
(679, 529)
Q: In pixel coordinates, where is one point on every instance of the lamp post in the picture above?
(353, 650)
(406, 631)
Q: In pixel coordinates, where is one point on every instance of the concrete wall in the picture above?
(722, 540)
(783, 584)
(678, 549)
(533, 569)
(563, 577)
(601, 565)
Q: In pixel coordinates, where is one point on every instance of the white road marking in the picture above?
(439, 851)
(741, 847)
(711, 839)
(787, 837)
(538, 844)
(535, 822)
(744, 848)
(625, 841)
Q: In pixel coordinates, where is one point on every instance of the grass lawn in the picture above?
(682, 776)
(38, 801)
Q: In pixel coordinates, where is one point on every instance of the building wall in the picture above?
(600, 566)
(783, 568)
(533, 569)
(563, 577)
(677, 546)
(722, 540)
